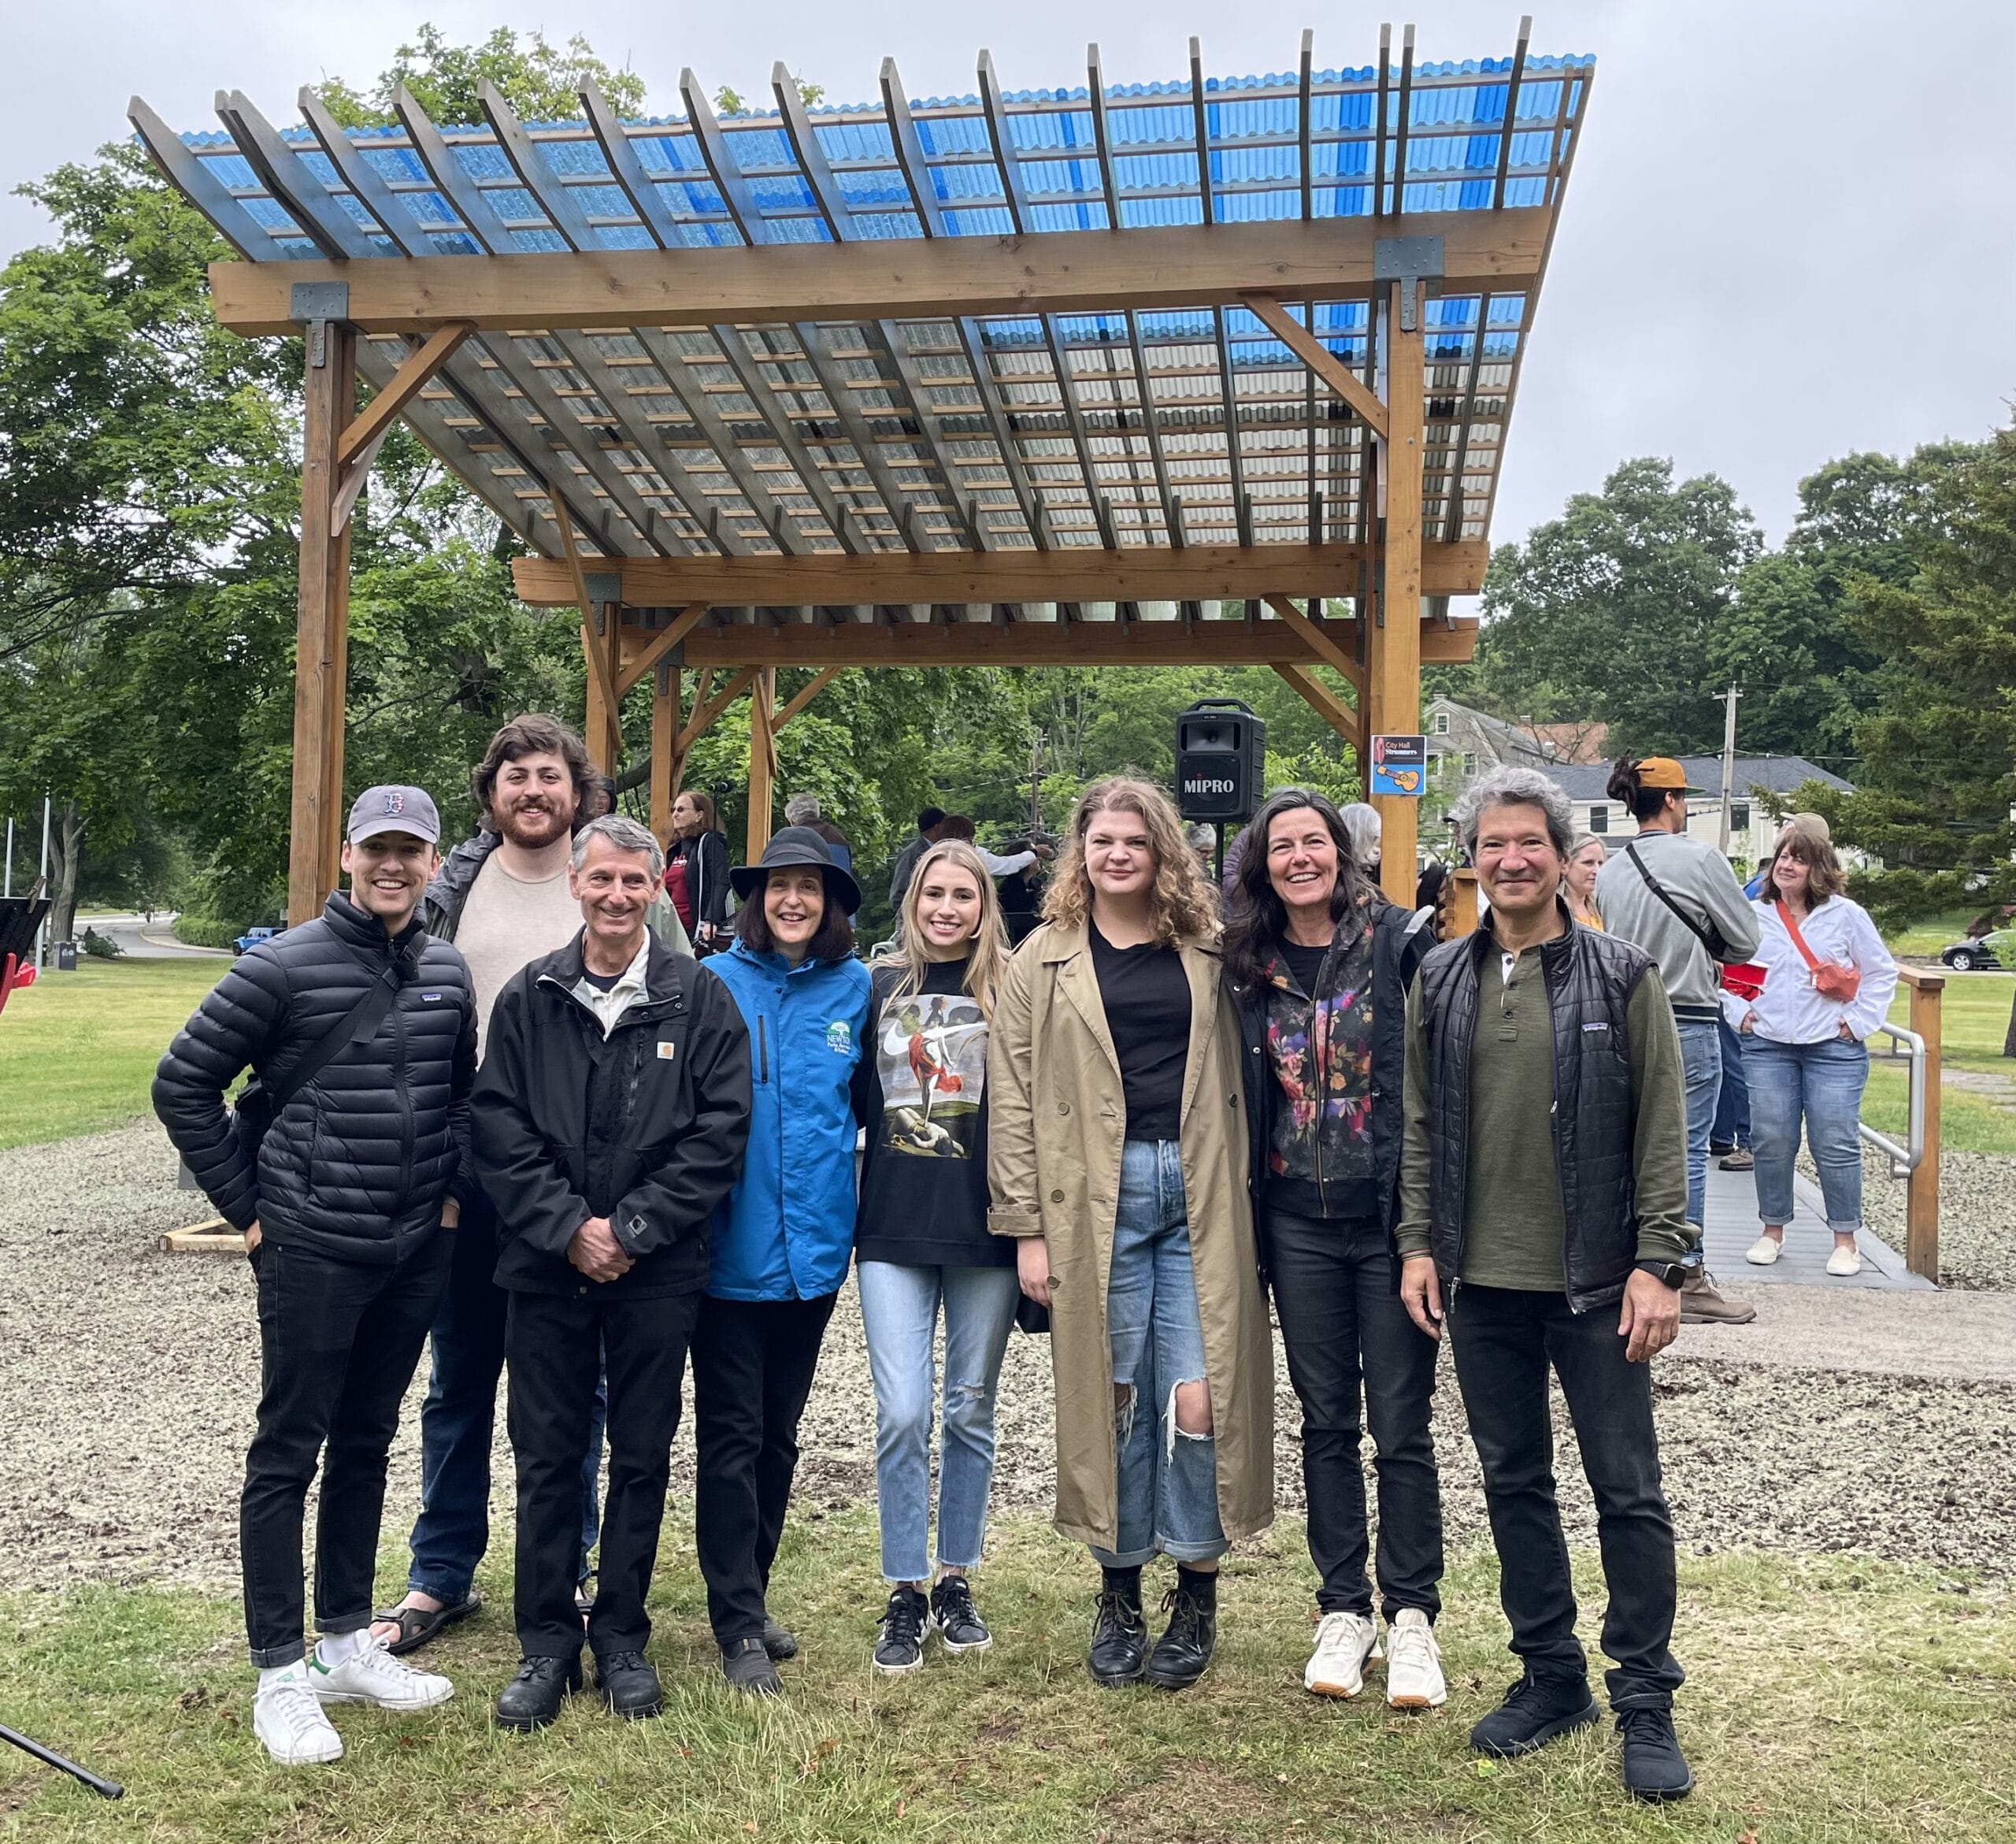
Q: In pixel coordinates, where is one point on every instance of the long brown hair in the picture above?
(1814, 849)
(1257, 919)
(1184, 907)
(988, 959)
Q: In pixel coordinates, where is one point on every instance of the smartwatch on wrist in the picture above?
(1667, 1272)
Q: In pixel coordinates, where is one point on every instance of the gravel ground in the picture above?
(1976, 1215)
(129, 1378)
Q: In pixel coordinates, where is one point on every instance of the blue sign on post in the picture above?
(1399, 764)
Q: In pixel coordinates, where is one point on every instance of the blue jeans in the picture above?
(453, 1530)
(1823, 1082)
(1732, 1126)
(1168, 1479)
(1701, 1059)
(899, 1314)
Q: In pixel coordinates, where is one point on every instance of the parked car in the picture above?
(1995, 950)
(251, 939)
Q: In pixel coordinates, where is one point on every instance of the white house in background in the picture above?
(1752, 827)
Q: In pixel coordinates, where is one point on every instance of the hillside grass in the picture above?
(1829, 1702)
(78, 1051)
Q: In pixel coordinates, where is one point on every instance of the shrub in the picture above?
(206, 931)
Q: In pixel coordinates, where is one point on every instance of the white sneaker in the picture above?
(289, 1721)
(1343, 1642)
(1413, 1663)
(1764, 1250)
(1844, 1261)
(373, 1675)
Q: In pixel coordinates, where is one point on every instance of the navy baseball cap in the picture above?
(393, 810)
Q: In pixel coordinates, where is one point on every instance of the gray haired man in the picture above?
(609, 1120)
(1543, 1196)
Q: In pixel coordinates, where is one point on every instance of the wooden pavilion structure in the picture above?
(1202, 371)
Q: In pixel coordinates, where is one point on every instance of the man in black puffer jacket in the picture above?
(342, 1204)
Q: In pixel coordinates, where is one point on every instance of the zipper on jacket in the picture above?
(400, 1087)
(762, 1050)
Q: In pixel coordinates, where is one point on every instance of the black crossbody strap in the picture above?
(1660, 891)
(358, 1026)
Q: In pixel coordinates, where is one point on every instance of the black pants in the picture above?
(753, 1362)
(558, 1347)
(339, 1343)
(1505, 1341)
(1344, 1328)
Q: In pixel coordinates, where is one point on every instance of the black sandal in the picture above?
(417, 1625)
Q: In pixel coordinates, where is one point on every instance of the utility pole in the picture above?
(1728, 759)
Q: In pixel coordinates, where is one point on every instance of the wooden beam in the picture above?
(1921, 1190)
(1320, 642)
(762, 763)
(404, 385)
(706, 709)
(1396, 663)
(604, 701)
(805, 696)
(322, 626)
(1320, 359)
(1325, 703)
(659, 645)
(1035, 643)
(1136, 572)
(1052, 272)
(668, 765)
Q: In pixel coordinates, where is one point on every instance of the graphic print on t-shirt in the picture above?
(931, 1059)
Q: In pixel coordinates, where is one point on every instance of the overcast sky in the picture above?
(1789, 233)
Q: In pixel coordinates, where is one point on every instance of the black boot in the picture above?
(1185, 1647)
(747, 1667)
(779, 1641)
(1654, 1767)
(531, 1699)
(631, 1687)
(1534, 1711)
(1120, 1632)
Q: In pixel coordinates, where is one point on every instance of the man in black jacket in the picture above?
(609, 1121)
(361, 1031)
(1543, 1180)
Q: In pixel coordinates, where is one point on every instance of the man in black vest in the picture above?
(1543, 1191)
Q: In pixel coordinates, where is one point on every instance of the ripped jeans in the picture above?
(1168, 1480)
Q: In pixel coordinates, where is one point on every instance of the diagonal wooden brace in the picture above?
(358, 446)
(661, 643)
(1320, 359)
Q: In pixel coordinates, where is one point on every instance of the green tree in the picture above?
(1609, 612)
(540, 80)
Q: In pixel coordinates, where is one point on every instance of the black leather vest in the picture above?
(1590, 977)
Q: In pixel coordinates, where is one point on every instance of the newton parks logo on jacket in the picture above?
(839, 1037)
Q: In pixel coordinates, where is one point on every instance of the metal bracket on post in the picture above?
(1410, 262)
(312, 306)
(603, 585)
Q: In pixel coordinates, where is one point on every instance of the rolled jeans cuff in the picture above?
(272, 1658)
(340, 1623)
(1129, 1558)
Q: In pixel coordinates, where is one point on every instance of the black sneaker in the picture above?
(747, 1667)
(960, 1627)
(629, 1685)
(1186, 1646)
(905, 1621)
(1120, 1640)
(779, 1641)
(1534, 1711)
(532, 1698)
(1654, 1767)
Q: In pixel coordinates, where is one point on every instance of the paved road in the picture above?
(151, 940)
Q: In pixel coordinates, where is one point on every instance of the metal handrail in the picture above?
(1904, 1160)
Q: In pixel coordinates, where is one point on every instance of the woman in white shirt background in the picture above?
(1803, 1037)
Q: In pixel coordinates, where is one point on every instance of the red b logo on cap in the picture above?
(395, 802)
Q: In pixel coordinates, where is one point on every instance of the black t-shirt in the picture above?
(601, 982)
(920, 1091)
(1305, 963)
(1146, 996)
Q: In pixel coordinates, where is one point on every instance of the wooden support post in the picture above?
(667, 764)
(322, 625)
(1463, 903)
(1921, 1190)
(603, 729)
(762, 760)
(1396, 664)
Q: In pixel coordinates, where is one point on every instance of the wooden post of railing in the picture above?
(1463, 903)
(1922, 1193)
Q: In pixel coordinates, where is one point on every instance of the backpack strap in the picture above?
(1666, 896)
(358, 1026)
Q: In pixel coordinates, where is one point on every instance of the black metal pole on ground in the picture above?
(105, 1788)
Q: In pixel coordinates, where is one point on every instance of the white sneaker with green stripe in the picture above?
(288, 1720)
(373, 1675)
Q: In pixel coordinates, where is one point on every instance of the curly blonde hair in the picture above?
(1185, 907)
(989, 958)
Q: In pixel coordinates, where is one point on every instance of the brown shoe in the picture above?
(1702, 1303)
(1740, 1160)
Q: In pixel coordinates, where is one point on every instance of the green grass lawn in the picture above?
(78, 1051)
(1934, 932)
(1828, 1700)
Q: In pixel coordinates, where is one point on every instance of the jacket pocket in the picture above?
(762, 1048)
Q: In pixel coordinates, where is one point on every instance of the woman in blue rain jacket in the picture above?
(782, 1240)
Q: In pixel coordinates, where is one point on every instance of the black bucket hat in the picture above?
(796, 845)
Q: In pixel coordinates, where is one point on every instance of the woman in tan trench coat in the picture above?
(1117, 1151)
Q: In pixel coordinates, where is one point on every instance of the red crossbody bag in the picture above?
(1830, 979)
